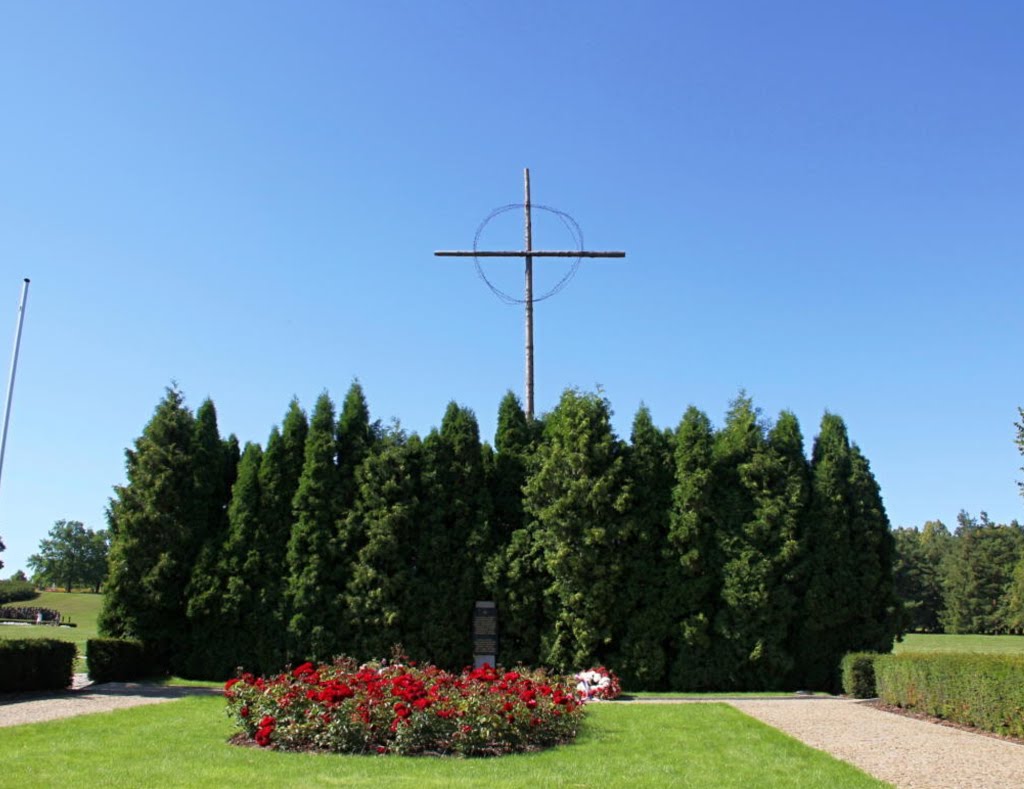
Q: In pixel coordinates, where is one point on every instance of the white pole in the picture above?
(14, 368)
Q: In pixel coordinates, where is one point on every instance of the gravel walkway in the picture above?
(83, 698)
(903, 751)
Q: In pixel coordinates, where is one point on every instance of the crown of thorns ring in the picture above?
(566, 220)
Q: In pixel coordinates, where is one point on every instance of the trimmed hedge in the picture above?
(985, 691)
(858, 670)
(118, 660)
(36, 664)
(15, 591)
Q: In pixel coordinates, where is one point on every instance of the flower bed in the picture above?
(598, 684)
(404, 709)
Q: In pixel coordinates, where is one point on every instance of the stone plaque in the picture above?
(485, 633)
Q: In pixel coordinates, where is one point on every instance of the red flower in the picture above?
(305, 668)
(244, 712)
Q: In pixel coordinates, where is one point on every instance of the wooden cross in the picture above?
(529, 253)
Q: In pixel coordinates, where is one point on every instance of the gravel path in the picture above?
(83, 698)
(902, 751)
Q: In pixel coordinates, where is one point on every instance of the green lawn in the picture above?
(928, 642)
(182, 743)
(79, 607)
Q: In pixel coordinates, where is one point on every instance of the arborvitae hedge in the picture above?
(36, 664)
(687, 559)
(979, 690)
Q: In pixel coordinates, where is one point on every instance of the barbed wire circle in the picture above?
(570, 225)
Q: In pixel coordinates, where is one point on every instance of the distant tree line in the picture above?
(693, 558)
(967, 581)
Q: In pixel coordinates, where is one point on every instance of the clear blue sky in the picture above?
(821, 203)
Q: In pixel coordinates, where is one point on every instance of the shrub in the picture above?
(858, 670)
(985, 691)
(118, 660)
(36, 664)
(404, 710)
(14, 591)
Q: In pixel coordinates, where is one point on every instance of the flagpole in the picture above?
(14, 369)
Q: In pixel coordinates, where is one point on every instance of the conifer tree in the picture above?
(849, 604)
(452, 537)
(224, 612)
(648, 601)
(152, 522)
(743, 562)
(576, 500)
(280, 470)
(514, 574)
(697, 561)
(355, 440)
(382, 530)
(214, 465)
(316, 571)
(777, 481)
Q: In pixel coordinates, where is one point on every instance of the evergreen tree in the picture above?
(152, 519)
(648, 600)
(918, 573)
(382, 531)
(575, 497)
(280, 470)
(760, 572)
(697, 562)
(355, 440)
(214, 465)
(514, 573)
(226, 619)
(452, 537)
(316, 577)
(738, 638)
(850, 604)
(979, 576)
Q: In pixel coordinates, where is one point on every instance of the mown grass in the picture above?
(82, 608)
(183, 743)
(940, 642)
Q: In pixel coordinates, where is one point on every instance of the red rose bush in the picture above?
(404, 709)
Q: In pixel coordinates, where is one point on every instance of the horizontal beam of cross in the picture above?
(533, 253)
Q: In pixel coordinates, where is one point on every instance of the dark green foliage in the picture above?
(13, 591)
(215, 463)
(760, 581)
(451, 538)
(381, 535)
(514, 575)
(355, 440)
(279, 475)
(979, 690)
(697, 562)
(153, 521)
(648, 599)
(858, 672)
(119, 660)
(918, 573)
(315, 562)
(850, 604)
(71, 556)
(226, 622)
(576, 500)
(979, 575)
(688, 560)
(35, 664)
